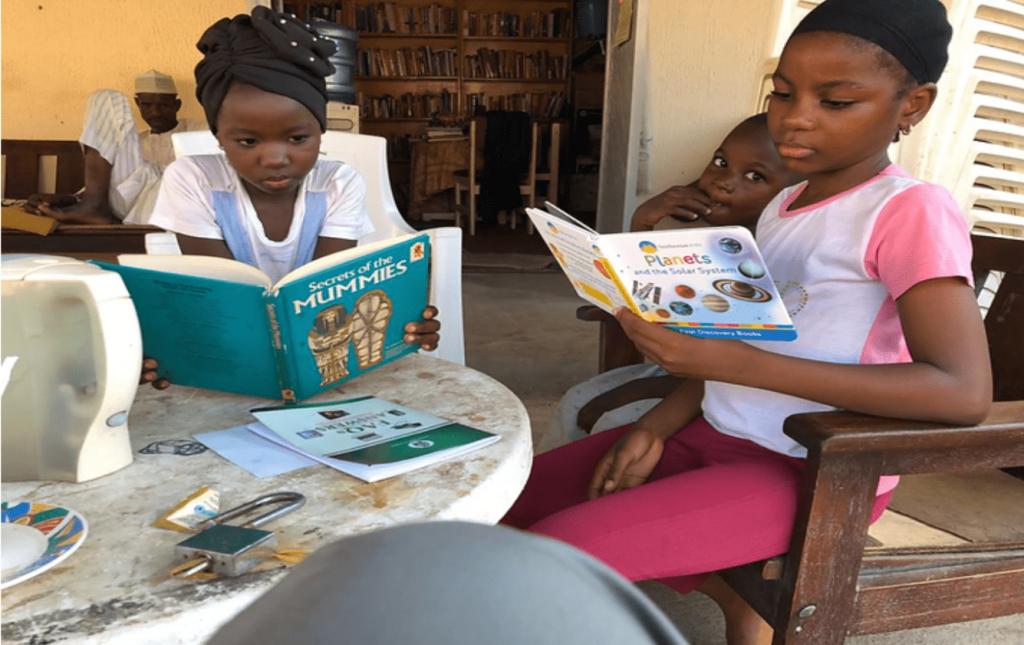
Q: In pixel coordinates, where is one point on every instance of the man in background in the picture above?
(123, 166)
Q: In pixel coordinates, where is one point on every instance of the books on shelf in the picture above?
(408, 105)
(505, 24)
(540, 105)
(708, 281)
(367, 437)
(407, 62)
(517, 65)
(440, 133)
(220, 324)
(381, 17)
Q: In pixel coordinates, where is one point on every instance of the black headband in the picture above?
(916, 32)
(272, 51)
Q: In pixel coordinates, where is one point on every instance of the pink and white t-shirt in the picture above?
(839, 266)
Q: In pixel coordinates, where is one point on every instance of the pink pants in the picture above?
(712, 502)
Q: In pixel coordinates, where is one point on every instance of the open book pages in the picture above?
(709, 281)
(203, 266)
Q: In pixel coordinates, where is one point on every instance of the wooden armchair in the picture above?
(829, 586)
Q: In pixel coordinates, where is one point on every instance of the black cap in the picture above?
(275, 52)
(916, 32)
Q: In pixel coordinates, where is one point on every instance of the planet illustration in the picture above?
(742, 290)
(680, 308)
(663, 313)
(714, 303)
(730, 245)
(558, 255)
(552, 228)
(685, 291)
(751, 269)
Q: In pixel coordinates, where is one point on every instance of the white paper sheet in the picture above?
(259, 456)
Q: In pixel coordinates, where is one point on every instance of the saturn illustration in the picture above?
(742, 290)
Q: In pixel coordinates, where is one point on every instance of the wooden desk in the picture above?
(82, 241)
(116, 589)
(433, 163)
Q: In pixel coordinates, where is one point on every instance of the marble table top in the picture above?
(116, 588)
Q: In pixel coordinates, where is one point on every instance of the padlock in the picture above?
(230, 550)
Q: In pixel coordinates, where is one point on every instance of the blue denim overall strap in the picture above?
(225, 208)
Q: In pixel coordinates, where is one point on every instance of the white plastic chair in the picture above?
(368, 155)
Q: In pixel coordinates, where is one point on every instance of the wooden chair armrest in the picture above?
(615, 349)
(907, 447)
(591, 313)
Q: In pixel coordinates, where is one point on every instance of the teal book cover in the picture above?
(219, 324)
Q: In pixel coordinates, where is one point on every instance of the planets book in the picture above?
(709, 282)
(221, 324)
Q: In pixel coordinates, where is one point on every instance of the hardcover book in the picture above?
(369, 438)
(220, 324)
(708, 282)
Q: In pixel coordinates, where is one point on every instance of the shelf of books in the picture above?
(446, 60)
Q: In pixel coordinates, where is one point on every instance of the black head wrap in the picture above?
(916, 32)
(274, 52)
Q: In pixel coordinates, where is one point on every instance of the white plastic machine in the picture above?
(73, 328)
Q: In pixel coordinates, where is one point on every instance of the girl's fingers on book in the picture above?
(430, 312)
(424, 327)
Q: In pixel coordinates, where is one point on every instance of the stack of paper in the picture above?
(368, 438)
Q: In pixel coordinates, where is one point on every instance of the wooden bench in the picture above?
(25, 167)
(58, 166)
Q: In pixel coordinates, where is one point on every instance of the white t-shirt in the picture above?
(185, 206)
(158, 149)
(839, 266)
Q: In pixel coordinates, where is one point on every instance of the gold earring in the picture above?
(904, 130)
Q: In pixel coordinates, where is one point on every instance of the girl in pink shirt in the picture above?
(874, 267)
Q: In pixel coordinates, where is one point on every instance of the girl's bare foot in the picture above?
(743, 625)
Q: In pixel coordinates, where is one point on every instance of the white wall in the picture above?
(701, 64)
(703, 68)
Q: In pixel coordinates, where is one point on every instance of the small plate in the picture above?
(36, 537)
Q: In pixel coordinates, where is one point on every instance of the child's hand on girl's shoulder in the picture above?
(424, 333)
(684, 203)
(149, 375)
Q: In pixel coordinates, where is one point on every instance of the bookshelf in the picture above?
(452, 58)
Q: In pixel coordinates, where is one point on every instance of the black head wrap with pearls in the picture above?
(916, 32)
(274, 52)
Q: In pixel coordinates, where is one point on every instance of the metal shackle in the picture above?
(292, 502)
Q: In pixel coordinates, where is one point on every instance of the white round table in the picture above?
(116, 588)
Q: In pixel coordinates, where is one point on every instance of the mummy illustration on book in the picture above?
(329, 341)
(334, 330)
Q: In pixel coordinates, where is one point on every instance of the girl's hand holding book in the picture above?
(149, 375)
(680, 354)
(425, 333)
